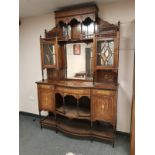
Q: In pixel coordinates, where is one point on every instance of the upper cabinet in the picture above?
(80, 36)
(106, 55)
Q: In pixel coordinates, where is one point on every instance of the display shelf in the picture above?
(69, 41)
(80, 127)
(72, 112)
(103, 130)
(74, 126)
(48, 122)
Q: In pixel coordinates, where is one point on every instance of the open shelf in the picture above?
(70, 41)
(71, 108)
(48, 122)
(79, 127)
(74, 126)
(84, 107)
(101, 129)
(72, 112)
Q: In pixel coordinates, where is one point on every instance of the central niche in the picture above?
(79, 61)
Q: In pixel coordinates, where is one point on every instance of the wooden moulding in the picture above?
(78, 10)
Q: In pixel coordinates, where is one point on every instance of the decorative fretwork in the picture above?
(49, 54)
(105, 51)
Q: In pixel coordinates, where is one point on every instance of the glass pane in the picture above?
(91, 29)
(64, 29)
(49, 54)
(105, 52)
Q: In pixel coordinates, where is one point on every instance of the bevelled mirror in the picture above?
(79, 61)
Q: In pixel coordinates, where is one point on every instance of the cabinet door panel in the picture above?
(46, 99)
(104, 107)
(49, 53)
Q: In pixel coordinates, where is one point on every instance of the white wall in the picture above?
(30, 68)
(29, 55)
(123, 12)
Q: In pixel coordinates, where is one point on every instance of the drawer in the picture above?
(73, 91)
(102, 92)
(43, 86)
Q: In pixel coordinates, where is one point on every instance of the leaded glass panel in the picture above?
(105, 52)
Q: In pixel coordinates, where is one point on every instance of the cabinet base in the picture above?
(80, 128)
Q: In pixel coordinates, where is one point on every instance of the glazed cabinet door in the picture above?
(46, 98)
(106, 54)
(49, 53)
(104, 106)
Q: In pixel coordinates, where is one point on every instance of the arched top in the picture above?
(74, 21)
(88, 18)
(87, 21)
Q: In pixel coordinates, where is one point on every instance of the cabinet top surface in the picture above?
(80, 84)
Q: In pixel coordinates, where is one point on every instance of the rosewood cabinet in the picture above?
(83, 103)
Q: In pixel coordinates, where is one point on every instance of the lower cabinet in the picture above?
(103, 104)
(91, 114)
(46, 98)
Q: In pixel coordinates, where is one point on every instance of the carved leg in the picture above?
(113, 144)
(55, 117)
(40, 119)
(91, 137)
(114, 135)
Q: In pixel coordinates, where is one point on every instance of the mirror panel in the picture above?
(79, 61)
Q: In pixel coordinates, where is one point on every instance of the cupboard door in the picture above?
(106, 56)
(46, 98)
(49, 53)
(104, 106)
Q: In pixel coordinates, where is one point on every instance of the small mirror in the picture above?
(79, 61)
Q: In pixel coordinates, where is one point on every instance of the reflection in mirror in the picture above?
(79, 61)
(105, 52)
(49, 54)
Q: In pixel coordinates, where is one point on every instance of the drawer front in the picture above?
(72, 91)
(43, 86)
(102, 92)
(46, 98)
(104, 106)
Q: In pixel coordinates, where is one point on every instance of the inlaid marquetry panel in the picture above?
(72, 91)
(104, 106)
(46, 86)
(46, 98)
